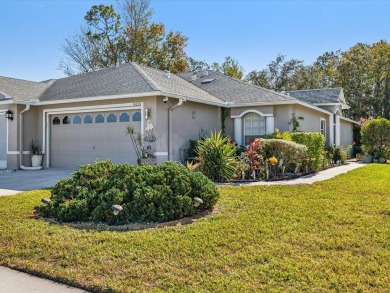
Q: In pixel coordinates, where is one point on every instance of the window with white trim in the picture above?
(254, 126)
(323, 127)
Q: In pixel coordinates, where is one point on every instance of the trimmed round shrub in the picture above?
(147, 193)
(293, 154)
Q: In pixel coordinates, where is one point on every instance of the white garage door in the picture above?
(83, 138)
(3, 142)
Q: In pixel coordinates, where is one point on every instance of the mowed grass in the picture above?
(333, 236)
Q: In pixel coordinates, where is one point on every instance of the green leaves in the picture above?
(216, 157)
(147, 193)
(376, 137)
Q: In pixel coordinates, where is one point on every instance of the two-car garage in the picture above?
(83, 137)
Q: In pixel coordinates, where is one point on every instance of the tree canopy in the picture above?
(110, 37)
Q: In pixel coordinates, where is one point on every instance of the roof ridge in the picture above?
(24, 80)
(255, 86)
(305, 90)
(144, 75)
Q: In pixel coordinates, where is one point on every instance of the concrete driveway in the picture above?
(12, 182)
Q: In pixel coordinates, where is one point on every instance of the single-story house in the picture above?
(82, 118)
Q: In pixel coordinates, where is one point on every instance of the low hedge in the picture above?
(147, 193)
(292, 153)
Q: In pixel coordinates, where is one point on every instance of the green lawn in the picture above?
(330, 236)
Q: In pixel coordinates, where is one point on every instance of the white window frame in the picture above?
(323, 130)
(259, 134)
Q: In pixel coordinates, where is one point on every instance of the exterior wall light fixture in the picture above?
(9, 115)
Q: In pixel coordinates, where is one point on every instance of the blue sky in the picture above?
(254, 32)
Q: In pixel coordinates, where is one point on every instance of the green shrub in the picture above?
(375, 137)
(216, 155)
(315, 143)
(292, 153)
(147, 193)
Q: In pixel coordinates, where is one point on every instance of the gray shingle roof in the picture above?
(129, 78)
(124, 79)
(176, 85)
(22, 90)
(318, 96)
(232, 90)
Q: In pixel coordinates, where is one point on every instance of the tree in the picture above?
(230, 67)
(375, 137)
(106, 41)
(196, 65)
(278, 74)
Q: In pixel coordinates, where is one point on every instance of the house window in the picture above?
(124, 117)
(254, 126)
(56, 121)
(111, 118)
(66, 120)
(87, 119)
(323, 127)
(77, 119)
(99, 118)
(137, 116)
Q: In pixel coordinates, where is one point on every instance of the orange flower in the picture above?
(273, 160)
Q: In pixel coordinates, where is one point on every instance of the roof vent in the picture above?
(205, 73)
(193, 77)
(207, 80)
(167, 74)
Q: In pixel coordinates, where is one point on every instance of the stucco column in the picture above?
(337, 130)
(331, 127)
(269, 124)
(238, 130)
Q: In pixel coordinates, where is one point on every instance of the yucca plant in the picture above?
(216, 155)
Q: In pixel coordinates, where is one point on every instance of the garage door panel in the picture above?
(76, 144)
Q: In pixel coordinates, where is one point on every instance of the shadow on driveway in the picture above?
(23, 180)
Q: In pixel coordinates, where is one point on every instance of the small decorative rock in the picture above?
(116, 208)
(46, 201)
(197, 201)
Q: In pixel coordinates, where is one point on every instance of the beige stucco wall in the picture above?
(282, 115)
(13, 136)
(186, 126)
(346, 133)
(311, 122)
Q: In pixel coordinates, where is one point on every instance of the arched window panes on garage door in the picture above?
(124, 117)
(56, 121)
(87, 119)
(99, 118)
(77, 119)
(254, 127)
(137, 116)
(111, 118)
(66, 120)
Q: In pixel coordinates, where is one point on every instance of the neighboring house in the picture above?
(82, 118)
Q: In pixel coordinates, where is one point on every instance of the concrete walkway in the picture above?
(308, 179)
(13, 182)
(12, 281)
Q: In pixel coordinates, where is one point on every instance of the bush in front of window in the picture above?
(147, 193)
(293, 154)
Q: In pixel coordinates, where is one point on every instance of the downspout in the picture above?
(179, 104)
(21, 136)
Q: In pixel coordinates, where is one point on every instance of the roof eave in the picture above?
(99, 98)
